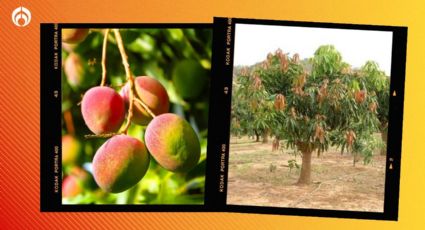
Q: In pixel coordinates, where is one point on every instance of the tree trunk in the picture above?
(257, 136)
(266, 136)
(384, 136)
(275, 144)
(305, 176)
(354, 159)
(265, 139)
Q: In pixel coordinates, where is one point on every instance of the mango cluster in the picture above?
(122, 161)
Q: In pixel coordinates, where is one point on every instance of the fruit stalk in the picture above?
(106, 135)
(105, 42)
(130, 77)
(145, 107)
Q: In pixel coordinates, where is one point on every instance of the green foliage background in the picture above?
(152, 52)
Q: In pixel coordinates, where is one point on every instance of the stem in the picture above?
(105, 135)
(130, 77)
(145, 107)
(105, 42)
(133, 94)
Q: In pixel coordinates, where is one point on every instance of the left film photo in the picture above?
(134, 114)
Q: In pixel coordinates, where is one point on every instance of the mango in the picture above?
(74, 35)
(189, 79)
(152, 93)
(120, 163)
(173, 143)
(103, 110)
(70, 150)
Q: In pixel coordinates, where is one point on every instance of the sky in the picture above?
(254, 42)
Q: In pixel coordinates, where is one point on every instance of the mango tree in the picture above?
(377, 81)
(252, 114)
(314, 105)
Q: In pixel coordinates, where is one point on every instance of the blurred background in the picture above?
(181, 60)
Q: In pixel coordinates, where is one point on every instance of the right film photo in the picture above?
(309, 117)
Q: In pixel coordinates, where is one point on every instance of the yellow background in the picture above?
(19, 107)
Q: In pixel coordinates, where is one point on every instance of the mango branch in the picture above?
(105, 42)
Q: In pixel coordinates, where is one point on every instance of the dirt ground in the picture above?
(260, 177)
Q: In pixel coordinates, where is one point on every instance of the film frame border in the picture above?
(221, 91)
(51, 118)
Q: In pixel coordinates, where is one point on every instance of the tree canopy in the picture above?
(312, 104)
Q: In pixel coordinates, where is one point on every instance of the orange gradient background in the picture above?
(20, 107)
